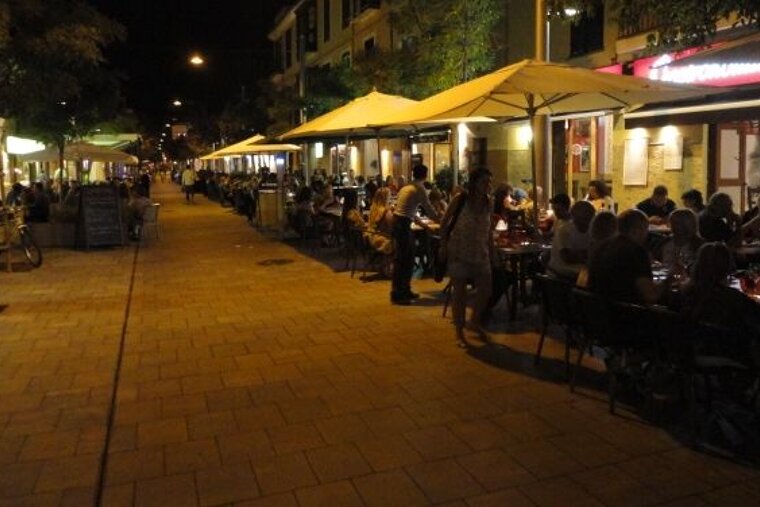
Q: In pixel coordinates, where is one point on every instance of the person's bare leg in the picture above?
(458, 306)
(483, 294)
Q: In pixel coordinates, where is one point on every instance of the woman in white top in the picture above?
(469, 250)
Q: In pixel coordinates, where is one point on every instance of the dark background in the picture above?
(161, 35)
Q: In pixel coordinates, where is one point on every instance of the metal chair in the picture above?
(619, 328)
(150, 219)
(557, 308)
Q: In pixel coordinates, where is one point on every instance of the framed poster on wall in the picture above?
(636, 161)
(673, 156)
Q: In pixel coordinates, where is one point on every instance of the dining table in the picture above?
(518, 256)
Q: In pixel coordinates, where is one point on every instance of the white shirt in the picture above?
(567, 237)
(411, 197)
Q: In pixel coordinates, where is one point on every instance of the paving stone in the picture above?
(389, 452)
(132, 466)
(337, 462)
(295, 437)
(392, 487)
(190, 456)
(284, 472)
(559, 491)
(444, 480)
(174, 490)
(494, 470)
(49, 445)
(228, 484)
(66, 473)
(436, 442)
(329, 495)
(164, 431)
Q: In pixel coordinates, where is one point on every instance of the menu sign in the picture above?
(100, 216)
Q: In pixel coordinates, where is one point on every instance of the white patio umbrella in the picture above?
(531, 88)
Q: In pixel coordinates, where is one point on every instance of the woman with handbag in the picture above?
(467, 243)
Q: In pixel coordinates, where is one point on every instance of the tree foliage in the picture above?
(45, 48)
(444, 42)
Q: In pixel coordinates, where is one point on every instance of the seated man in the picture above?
(570, 242)
(619, 268)
(39, 208)
(658, 207)
(136, 208)
(718, 222)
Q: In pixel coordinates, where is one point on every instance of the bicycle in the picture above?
(16, 234)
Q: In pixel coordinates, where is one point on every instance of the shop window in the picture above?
(325, 20)
(587, 35)
(346, 13)
(369, 45)
(288, 50)
(278, 54)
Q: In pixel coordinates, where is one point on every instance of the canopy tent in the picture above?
(352, 119)
(250, 146)
(529, 88)
(80, 151)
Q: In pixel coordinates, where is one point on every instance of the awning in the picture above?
(80, 151)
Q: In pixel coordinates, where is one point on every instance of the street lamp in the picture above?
(196, 60)
(177, 103)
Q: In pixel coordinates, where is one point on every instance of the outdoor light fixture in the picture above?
(177, 103)
(197, 60)
(167, 125)
(570, 11)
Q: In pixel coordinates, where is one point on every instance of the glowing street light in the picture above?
(196, 60)
(177, 103)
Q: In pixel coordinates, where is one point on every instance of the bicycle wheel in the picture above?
(31, 250)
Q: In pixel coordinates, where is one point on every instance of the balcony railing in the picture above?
(643, 24)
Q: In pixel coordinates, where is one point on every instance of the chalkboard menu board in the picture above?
(100, 216)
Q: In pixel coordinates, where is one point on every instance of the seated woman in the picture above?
(707, 297)
(303, 211)
(380, 225)
(437, 201)
(351, 217)
(598, 195)
(679, 251)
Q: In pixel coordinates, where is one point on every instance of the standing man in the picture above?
(410, 198)
(188, 183)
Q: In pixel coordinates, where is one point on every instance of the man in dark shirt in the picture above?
(658, 207)
(620, 268)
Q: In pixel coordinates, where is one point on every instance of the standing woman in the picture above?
(469, 250)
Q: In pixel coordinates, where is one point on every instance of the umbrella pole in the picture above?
(379, 154)
(533, 171)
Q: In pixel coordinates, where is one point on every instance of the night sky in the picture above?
(161, 34)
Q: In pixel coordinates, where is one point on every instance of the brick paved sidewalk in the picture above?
(254, 375)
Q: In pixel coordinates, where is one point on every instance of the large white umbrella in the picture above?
(529, 88)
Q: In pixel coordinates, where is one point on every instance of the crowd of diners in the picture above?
(593, 244)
